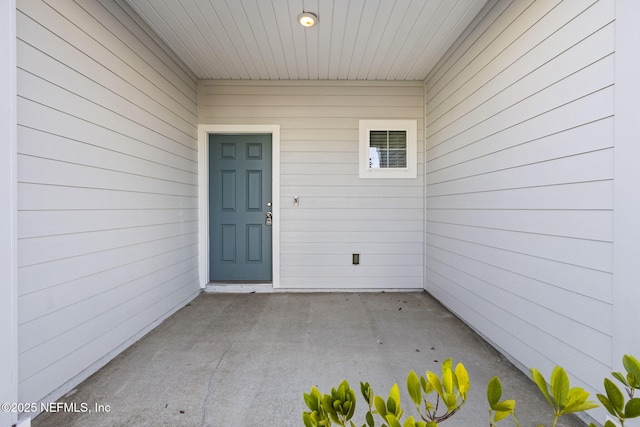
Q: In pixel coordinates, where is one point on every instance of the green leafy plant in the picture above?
(390, 410)
(367, 393)
(562, 398)
(337, 407)
(450, 392)
(614, 400)
(438, 398)
(317, 416)
(499, 410)
(341, 404)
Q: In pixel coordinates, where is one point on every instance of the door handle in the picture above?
(269, 219)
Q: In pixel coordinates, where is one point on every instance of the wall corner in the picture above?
(626, 285)
(8, 212)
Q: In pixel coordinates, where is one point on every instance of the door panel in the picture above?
(254, 190)
(228, 190)
(239, 190)
(254, 242)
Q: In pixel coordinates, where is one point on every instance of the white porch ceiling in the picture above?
(354, 39)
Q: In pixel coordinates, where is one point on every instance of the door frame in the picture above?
(203, 194)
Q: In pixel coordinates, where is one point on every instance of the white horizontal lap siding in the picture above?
(519, 169)
(107, 181)
(339, 214)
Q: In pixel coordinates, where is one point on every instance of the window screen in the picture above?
(387, 149)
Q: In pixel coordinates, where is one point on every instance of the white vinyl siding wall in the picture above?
(339, 213)
(519, 183)
(8, 213)
(107, 186)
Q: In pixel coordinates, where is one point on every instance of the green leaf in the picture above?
(633, 381)
(435, 382)
(494, 392)
(632, 365)
(306, 419)
(346, 407)
(427, 387)
(418, 423)
(615, 396)
(381, 408)
(393, 402)
(414, 388)
(607, 404)
(447, 381)
(391, 406)
(632, 408)
(500, 415)
(393, 421)
(343, 388)
(504, 409)
(542, 385)
(394, 393)
(410, 422)
(352, 404)
(447, 365)
(577, 401)
(327, 404)
(464, 384)
(369, 418)
(450, 400)
(610, 424)
(620, 377)
(579, 407)
(559, 385)
(310, 402)
(505, 406)
(366, 391)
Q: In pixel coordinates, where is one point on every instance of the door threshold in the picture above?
(239, 287)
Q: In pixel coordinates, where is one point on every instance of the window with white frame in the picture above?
(388, 148)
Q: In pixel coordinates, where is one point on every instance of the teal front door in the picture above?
(240, 207)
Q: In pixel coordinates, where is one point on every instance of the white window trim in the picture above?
(411, 127)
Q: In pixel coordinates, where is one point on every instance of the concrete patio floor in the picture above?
(246, 359)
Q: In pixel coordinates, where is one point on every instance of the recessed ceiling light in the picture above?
(307, 19)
